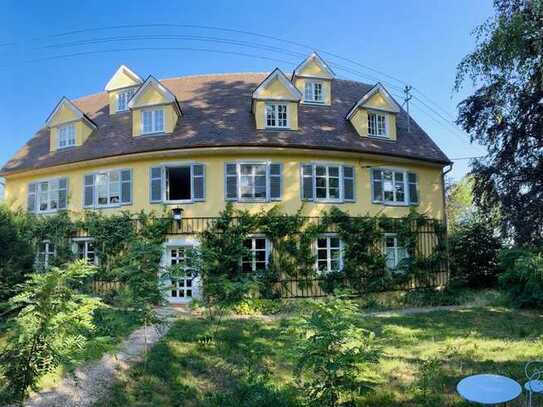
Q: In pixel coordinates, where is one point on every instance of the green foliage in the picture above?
(474, 249)
(57, 229)
(431, 297)
(429, 383)
(523, 280)
(16, 251)
(335, 354)
(54, 322)
(504, 115)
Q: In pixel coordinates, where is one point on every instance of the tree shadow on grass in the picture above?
(239, 368)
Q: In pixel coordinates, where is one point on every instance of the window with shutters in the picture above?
(253, 181)
(258, 248)
(123, 98)
(327, 182)
(394, 187)
(329, 253)
(177, 183)
(276, 115)
(313, 92)
(48, 196)
(377, 124)
(395, 252)
(152, 121)
(108, 188)
(66, 136)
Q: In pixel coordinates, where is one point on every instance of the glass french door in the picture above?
(182, 285)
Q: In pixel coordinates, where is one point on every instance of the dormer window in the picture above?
(313, 92)
(66, 135)
(123, 98)
(377, 124)
(276, 115)
(152, 121)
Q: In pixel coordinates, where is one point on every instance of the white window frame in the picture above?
(154, 129)
(164, 181)
(310, 84)
(327, 177)
(394, 201)
(66, 136)
(253, 250)
(189, 278)
(85, 240)
(124, 96)
(108, 174)
(266, 165)
(329, 248)
(49, 192)
(377, 114)
(396, 250)
(275, 106)
(47, 253)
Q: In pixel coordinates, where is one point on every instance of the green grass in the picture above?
(251, 361)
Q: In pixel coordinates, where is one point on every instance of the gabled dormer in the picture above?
(313, 77)
(155, 110)
(68, 126)
(275, 103)
(374, 115)
(120, 89)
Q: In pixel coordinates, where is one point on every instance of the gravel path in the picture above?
(91, 382)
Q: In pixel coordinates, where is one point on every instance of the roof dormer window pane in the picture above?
(377, 124)
(276, 115)
(313, 92)
(66, 135)
(152, 121)
(123, 98)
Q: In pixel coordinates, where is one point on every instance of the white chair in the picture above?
(534, 374)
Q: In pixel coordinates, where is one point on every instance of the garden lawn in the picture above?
(251, 361)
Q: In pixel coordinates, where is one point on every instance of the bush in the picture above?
(334, 355)
(473, 250)
(522, 279)
(431, 297)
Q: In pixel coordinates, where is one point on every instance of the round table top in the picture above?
(488, 389)
(535, 386)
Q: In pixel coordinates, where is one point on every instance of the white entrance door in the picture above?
(183, 287)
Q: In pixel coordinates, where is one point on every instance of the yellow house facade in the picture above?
(256, 140)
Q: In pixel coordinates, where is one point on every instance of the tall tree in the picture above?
(505, 115)
(459, 202)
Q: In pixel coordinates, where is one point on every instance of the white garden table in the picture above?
(488, 389)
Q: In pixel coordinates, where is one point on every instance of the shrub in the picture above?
(473, 250)
(431, 297)
(334, 355)
(523, 281)
(53, 324)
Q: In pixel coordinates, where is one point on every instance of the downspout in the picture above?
(445, 220)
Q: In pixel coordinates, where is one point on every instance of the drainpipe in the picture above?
(445, 220)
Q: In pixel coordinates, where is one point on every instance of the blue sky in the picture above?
(417, 42)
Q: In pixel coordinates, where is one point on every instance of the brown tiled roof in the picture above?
(217, 113)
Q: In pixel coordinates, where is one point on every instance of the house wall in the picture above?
(429, 179)
(82, 133)
(170, 120)
(360, 123)
(326, 88)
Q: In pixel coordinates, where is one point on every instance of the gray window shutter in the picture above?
(377, 185)
(198, 182)
(307, 182)
(31, 198)
(412, 185)
(126, 187)
(275, 182)
(62, 193)
(230, 182)
(88, 199)
(156, 183)
(348, 183)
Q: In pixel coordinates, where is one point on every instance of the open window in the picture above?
(183, 183)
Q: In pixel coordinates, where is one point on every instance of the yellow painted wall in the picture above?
(170, 120)
(149, 97)
(360, 123)
(260, 117)
(429, 177)
(82, 133)
(275, 89)
(63, 115)
(112, 97)
(122, 81)
(377, 101)
(326, 88)
(313, 69)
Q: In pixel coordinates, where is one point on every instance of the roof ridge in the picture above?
(200, 75)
